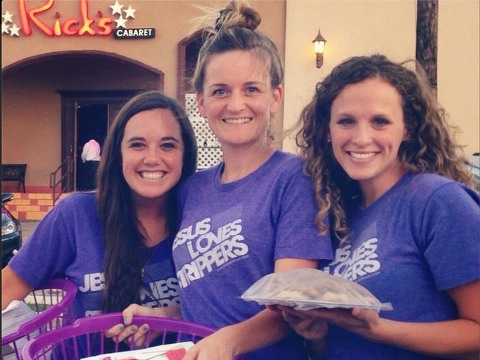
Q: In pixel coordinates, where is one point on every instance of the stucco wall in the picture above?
(351, 27)
(359, 27)
(31, 111)
(458, 68)
(172, 19)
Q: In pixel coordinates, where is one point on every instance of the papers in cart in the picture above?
(161, 352)
(16, 314)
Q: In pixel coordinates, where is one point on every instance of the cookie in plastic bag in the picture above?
(305, 289)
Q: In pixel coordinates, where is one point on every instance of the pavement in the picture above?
(27, 228)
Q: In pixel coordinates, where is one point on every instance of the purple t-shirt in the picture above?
(408, 248)
(231, 234)
(68, 243)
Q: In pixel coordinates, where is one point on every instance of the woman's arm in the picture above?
(13, 287)
(458, 339)
(261, 330)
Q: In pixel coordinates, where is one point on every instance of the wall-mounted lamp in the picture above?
(319, 45)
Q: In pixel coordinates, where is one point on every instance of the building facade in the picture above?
(68, 66)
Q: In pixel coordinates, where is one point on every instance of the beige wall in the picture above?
(360, 27)
(31, 114)
(172, 20)
(31, 110)
(458, 67)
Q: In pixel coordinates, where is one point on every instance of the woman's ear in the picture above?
(277, 96)
(200, 104)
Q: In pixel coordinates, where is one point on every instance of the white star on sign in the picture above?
(121, 22)
(7, 18)
(14, 30)
(130, 12)
(5, 28)
(116, 8)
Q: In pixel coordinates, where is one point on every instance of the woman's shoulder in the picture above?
(77, 199)
(287, 161)
(199, 177)
(427, 185)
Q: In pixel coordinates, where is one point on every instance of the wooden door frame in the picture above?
(69, 102)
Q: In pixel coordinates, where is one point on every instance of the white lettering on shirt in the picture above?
(209, 250)
(363, 261)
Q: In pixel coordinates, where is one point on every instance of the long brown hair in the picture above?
(430, 147)
(122, 238)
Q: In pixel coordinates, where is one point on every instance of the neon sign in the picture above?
(32, 18)
(71, 26)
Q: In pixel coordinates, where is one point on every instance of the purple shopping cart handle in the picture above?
(49, 314)
(101, 323)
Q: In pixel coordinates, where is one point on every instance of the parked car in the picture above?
(11, 231)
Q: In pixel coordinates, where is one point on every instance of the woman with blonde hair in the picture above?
(250, 215)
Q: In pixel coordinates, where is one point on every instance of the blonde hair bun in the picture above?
(238, 14)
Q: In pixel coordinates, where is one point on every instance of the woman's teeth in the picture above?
(152, 175)
(362, 155)
(237, 121)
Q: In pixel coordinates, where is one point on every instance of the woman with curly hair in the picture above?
(384, 165)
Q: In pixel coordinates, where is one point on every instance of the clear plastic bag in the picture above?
(306, 289)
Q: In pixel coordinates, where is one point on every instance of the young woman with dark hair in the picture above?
(116, 243)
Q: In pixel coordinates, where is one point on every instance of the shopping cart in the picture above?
(86, 337)
(49, 304)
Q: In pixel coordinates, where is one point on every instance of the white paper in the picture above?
(153, 353)
(16, 314)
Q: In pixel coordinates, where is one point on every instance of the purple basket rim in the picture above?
(49, 313)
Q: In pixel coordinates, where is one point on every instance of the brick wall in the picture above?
(31, 206)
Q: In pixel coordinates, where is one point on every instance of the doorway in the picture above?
(86, 115)
(92, 124)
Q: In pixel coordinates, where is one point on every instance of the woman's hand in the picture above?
(133, 334)
(312, 324)
(217, 346)
(307, 326)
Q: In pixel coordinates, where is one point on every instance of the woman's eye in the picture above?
(253, 89)
(345, 122)
(380, 121)
(168, 146)
(218, 92)
(136, 145)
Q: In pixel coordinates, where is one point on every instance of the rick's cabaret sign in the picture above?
(44, 18)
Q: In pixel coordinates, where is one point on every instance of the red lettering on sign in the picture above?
(72, 26)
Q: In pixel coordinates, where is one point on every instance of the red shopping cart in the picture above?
(86, 337)
(48, 304)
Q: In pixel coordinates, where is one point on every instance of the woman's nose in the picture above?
(236, 102)
(362, 135)
(152, 156)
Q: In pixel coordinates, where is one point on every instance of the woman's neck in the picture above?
(153, 223)
(238, 164)
(374, 189)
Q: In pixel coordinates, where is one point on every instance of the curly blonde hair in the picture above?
(430, 147)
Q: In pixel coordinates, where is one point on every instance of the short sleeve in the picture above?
(47, 252)
(451, 233)
(296, 234)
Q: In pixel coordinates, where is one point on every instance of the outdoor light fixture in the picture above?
(319, 45)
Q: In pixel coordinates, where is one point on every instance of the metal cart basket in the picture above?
(86, 336)
(49, 304)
